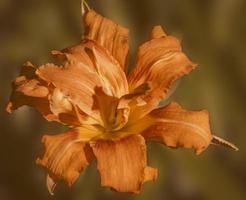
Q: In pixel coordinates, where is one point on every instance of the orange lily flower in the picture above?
(110, 114)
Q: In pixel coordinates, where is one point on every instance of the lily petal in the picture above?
(66, 155)
(123, 163)
(112, 76)
(159, 63)
(176, 127)
(108, 34)
(113, 117)
(28, 89)
(88, 67)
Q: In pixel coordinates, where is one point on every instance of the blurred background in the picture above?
(213, 34)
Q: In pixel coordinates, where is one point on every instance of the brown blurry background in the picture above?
(213, 34)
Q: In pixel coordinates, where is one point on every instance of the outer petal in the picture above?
(29, 89)
(123, 163)
(176, 127)
(159, 62)
(108, 34)
(66, 155)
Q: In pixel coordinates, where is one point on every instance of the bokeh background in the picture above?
(213, 34)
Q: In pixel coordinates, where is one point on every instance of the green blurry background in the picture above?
(213, 34)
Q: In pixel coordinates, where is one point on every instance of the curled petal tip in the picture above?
(219, 141)
(44, 139)
(84, 7)
(51, 185)
(55, 52)
(199, 151)
(157, 32)
(150, 174)
(8, 107)
(27, 65)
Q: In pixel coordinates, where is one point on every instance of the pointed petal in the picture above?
(176, 127)
(112, 76)
(159, 63)
(108, 34)
(123, 163)
(66, 155)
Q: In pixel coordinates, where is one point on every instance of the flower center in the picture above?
(117, 119)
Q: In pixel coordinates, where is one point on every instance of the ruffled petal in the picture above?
(88, 67)
(29, 89)
(159, 63)
(108, 34)
(66, 155)
(123, 163)
(176, 127)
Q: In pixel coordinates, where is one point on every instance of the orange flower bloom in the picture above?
(110, 114)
